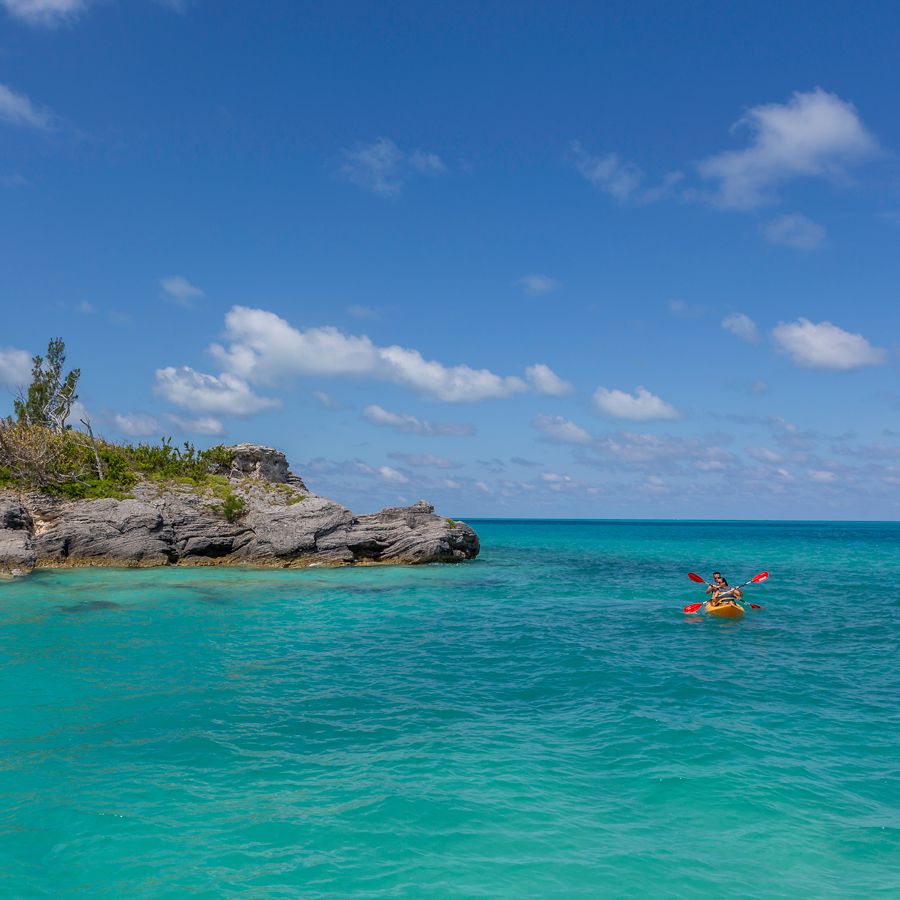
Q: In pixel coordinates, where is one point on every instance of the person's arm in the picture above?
(738, 593)
(709, 589)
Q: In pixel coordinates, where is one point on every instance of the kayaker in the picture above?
(720, 591)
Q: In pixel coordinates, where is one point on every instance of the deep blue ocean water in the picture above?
(543, 722)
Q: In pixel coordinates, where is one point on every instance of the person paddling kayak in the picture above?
(721, 593)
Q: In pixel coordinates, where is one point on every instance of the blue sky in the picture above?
(620, 259)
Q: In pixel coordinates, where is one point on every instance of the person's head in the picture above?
(719, 580)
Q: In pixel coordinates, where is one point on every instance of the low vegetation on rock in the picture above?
(40, 451)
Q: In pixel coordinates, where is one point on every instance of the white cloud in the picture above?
(607, 173)
(639, 406)
(179, 289)
(412, 425)
(814, 134)
(546, 381)
(742, 326)
(660, 452)
(539, 284)
(17, 109)
(794, 230)
(561, 430)
(201, 425)
(47, 13)
(15, 367)
(825, 346)
(389, 474)
(382, 167)
(85, 308)
(198, 392)
(267, 349)
(136, 424)
(823, 476)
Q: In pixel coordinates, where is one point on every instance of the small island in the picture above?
(69, 498)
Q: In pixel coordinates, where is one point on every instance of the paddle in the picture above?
(756, 579)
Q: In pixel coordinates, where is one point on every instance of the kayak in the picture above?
(725, 610)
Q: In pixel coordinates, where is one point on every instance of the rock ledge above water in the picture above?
(282, 524)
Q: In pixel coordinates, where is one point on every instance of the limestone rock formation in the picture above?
(281, 524)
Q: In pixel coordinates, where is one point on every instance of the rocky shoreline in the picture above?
(280, 524)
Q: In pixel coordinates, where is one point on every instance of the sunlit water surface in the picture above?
(542, 722)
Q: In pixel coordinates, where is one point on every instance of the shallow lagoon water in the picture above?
(544, 721)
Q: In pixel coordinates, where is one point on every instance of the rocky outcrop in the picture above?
(281, 524)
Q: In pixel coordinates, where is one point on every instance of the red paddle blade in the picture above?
(758, 578)
(692, 607)
(697, 578)
(755, 606)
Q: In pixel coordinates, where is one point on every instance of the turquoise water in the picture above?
(542, 722)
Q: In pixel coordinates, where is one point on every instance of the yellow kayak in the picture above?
(728, 610)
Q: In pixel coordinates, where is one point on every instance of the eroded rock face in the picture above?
(283, 524)
(16, 550)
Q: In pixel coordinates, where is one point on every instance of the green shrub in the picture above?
(233, 507)
(62, 464)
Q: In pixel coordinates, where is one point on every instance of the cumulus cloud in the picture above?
(741, 326)
(794, 230)
(208, 425)
(46, 13)
(266, 349)
(412, 425)
(813, 134)
(135, 424)
(393, 475)
(561, 430)
(199, 392)
(179, 289)
(546, 381)
(539, 284)
(382, 167)
(825, 346)
(17, 109)
(639, 406)
(15, 367)
(635, 450)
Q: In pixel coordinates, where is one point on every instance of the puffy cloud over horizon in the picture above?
(266, 349)
(639, 406)
(561, 430)
(825, 346)
(199, 392)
